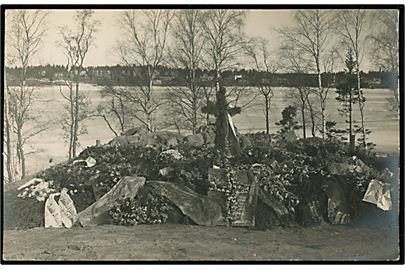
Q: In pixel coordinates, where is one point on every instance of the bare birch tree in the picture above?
(293, 60)
(187, 53)
(116, 111)
(223, 32)
(311, 34)
(258, 51)
(76, 44)
(385, 41)
(146, 44)
(351, 29)
(23, 39)
(9, 157)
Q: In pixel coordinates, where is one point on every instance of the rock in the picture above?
(172, 152)
(199, 208)
(340, 168)
(164, 138)
(218, 196)
(338, 208)
(165, 171)
(136, 139)
(360, 167)
(33, 181)
(120, 141)
(97, 213)
(168, 138)
(172, 142)
(277, 206)
(311, 213)
(135, 130)
(152, 139)
(195, 139)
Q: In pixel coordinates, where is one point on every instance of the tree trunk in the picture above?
(72, 121)
(350, 114)
(312, 117)
(149, 119)
(358, 78)
(149, 122)
(396, 89)
(361, 108)
(194, 124)
(323, 119)
(221, 133)
(217, 85)
(267, 113)
(363, 128)
(76, 121)
(194, 101)
(313, 125)
(20, 150)
(19, 120)
(320, 91)
(9, 144)
(122, 119)
(9, 164)
(207, 100)
(304, 132)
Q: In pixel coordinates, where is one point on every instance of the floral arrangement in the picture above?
(291, 172)
(148, 207)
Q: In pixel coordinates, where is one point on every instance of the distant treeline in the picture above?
(165, 76)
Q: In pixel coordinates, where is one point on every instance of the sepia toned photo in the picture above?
(192, 134)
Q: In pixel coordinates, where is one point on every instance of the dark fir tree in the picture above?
(288, 123)
(347, 95)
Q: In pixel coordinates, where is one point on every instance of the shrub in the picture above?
(288, 122)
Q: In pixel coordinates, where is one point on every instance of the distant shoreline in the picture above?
(41, 83)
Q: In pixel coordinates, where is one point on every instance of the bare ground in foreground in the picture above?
(186, 242)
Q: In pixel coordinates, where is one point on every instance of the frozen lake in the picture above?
(383, 123)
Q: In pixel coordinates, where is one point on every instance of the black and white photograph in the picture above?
(192, 133)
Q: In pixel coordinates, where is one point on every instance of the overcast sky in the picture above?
(259, 23)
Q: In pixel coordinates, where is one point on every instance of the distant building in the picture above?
(207, 78)
(58, 75)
